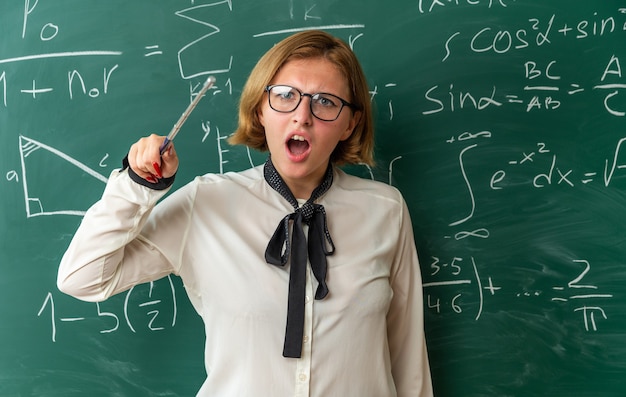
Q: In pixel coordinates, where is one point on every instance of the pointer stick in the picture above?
(170, 137)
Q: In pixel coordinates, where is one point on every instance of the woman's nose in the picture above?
(303, 112)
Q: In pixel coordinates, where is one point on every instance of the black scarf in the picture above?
(280, 250)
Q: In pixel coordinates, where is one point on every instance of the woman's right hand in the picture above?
(146, 161)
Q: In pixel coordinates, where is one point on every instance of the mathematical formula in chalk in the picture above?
(155, 311)
(465, 290)
(546, 89)
(555, 172)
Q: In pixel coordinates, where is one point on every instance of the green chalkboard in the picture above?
(501, 121)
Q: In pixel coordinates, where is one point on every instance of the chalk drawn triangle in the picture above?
(54, 180)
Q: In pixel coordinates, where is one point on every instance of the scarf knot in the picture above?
(308, 210)
(297, 249)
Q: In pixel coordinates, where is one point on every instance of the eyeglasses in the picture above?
(286, 99)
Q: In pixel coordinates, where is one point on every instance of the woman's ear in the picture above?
(259, 115)
(354, 121)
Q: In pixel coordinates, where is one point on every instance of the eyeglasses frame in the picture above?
(344, 103)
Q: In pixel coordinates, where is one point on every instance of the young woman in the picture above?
(307, 279)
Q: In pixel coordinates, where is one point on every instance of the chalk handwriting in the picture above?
(375, 92)
(452, 278)
(47, 32)
(468, 185)
(428, 6)
(557, 174)
(447, 275)
(458, 100)
(153, 314)
(149, 313)
(545, 89)
(536, 33)
(74, 75)
(185, 73)
(587, 311)
(321, 27)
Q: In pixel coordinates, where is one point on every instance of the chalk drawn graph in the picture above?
(35, 205)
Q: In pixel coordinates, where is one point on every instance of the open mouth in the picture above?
(297, 145)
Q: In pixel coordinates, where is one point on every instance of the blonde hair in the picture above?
(359, 147)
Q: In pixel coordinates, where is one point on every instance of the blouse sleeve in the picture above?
(108, 254)
(405, 320)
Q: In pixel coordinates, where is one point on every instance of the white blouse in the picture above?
(364, 339)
